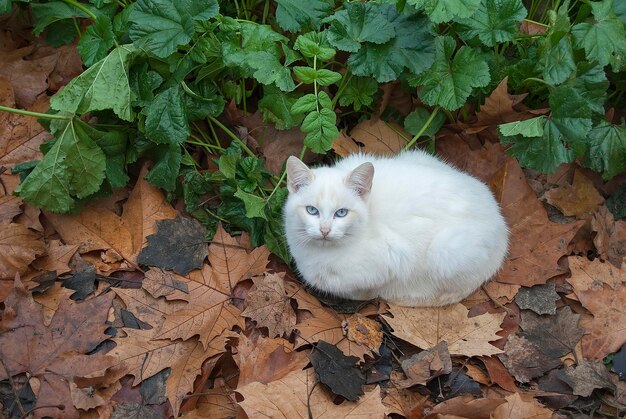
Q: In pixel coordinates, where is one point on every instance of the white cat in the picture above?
(410, 229)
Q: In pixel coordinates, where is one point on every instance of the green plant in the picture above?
(159, 72)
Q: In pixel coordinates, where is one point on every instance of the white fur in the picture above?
(426, 234)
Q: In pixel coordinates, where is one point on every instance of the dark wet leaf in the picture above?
(587, 376)
(84, 283)
(338, 371)
(541, 298)
(555, 336)
(619, 363)
(153, 389)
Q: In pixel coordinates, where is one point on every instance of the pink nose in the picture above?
(324, 231)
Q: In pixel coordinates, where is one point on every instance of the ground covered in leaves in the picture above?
(125, 310)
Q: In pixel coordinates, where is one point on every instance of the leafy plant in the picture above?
(158, 73)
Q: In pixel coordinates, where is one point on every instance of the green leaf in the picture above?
(322, 76)
(543, 153)
(160, 26)
(113, 144)
(202, 99)
(73, 168)
(314, 44)
(606, 149)
(269, 70)
(440, 11)
(293, 15)
(529, 128)
(358, 23)
(604, 36)
(321, 130)
(414, 122)
(254, 205)
(306, 103)
(556, 55)
(104, 85)
(96, 41)
(359, 92)
(495, 21)
(449, 81)
(46, 14)
(412, 48)
(5, 6)
(166, 119)
(166, 167)
(276, 105)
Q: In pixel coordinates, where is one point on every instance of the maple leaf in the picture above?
(555, 336)
(322, 324)
(297, 396)
(525, 360)
(265, 360)
(270, 306)
(160, 283)
(536, 244)
(425, 327)
(606, 333)
(579, 199)
(587, 274)
(516, 407)
(54, 354)
(209, 312)
(339, 372)
(586, 376)
(19, 246)
(57, 258)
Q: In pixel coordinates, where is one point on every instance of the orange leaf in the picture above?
(269, 305)
(19, 246)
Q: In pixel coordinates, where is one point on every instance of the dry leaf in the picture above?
(19, 246)
(586, 377)
(467, 406)
(9, 208)
(426, 365)
(503, 293)
(29, 77)
(377, 136)
(289, 398)
(269, 305)
(524, 359)
(610, 239)
(57, 258)
(587, 274)
(426, 327)
(604, 334)
(363, 331)
(516, 408)
(580, 199)
(407, 403)
(160, 283)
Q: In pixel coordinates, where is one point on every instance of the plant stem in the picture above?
(344, 83)
(232, 136)
(35, 114)
(81, 7)
(537, 23)
(423, 129)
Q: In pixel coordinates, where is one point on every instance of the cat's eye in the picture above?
(312, 210)
(341, 212)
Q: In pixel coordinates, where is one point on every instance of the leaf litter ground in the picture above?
(94, 324)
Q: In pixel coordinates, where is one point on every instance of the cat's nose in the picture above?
(324, 231)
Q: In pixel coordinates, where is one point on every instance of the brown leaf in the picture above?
(395, 96)
(269, 305)
(19, 246)
(498, 373)
(580, 199)
(9, 208)
(555, 336)
(266, 360)
(215, 403)
(539, 298)
(524, 359)
(425, 327)
(467, 406)
(88, 398)
(321, 323)
(516, 408)
(363, 331)
(610, 239)
(57, 259)
(29, 77)
(426, 365)
(587, 274)
(536, 244)
(605, 333)
(407, 403)
(377, 136)
(51, 299)
(587, 376)
(503, 293)
(288, 398)
(160, 283)
(147, 308)
(344, 145)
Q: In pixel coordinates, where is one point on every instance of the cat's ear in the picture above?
(298, 174)
(360, 179)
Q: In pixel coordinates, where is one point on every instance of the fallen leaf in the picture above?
(87, 398)
(363, 331)
(339, 372)
(215, 403)
(524, 359)
(610, 239)
(604, 334)
(297, 396)
(503, 293)
(160, 283)
(269, 305)
(555, 336)
(57, 258)
(409, 404)
(343, 145)
(580, 199)
(19, 246)
(377, 136)
(477, 374)
(467, 405)
(426, 365)
(536, 244)
(9, 208)
(50, 301)
(516, 408)
(498, 373)
(587, 376)
(587, 275)
(394, 96)
(539, 298)
(29, 77)
(266, 360)
(426, 327)
(178, 245)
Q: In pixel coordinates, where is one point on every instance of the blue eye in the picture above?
(341, 212)
(312, 210)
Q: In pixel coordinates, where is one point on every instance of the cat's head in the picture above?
(326, 205)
